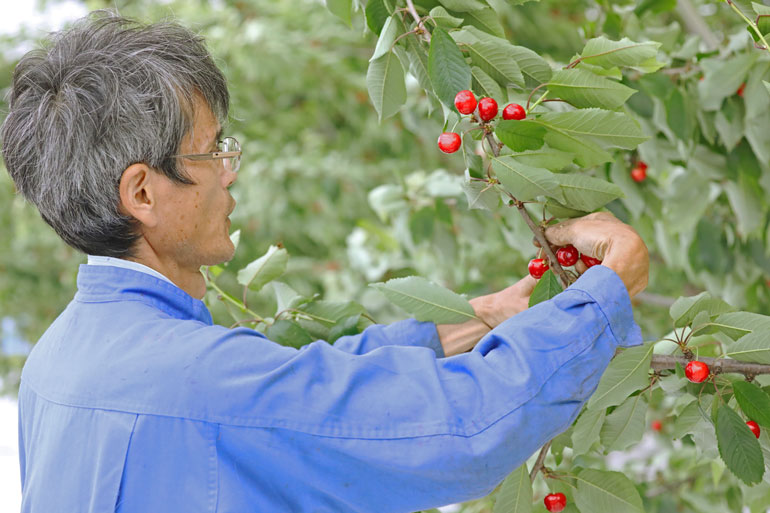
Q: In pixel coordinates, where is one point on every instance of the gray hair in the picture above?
(106, 93)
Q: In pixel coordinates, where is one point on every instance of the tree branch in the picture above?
(539, 462)
(717, 365)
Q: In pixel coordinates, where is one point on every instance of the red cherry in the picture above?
(555, 502)
(487, 109)
(465, 102)
(590, 261)
(739, 92)
(567, 256)
(537, 267)
(638, 174)
(697, 372)
(449, 142)
(657, 425)
(514, 111)
(642, 164)
(754, 427)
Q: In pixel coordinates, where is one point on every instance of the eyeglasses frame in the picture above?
(216, 154)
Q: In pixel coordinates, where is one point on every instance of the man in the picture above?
(133, 401)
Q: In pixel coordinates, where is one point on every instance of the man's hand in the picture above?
(601, 235)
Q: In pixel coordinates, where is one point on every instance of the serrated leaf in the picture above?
(612, 129)
(560, 211)
(288, 333)
(625, 425)
(444, 19)
(608, 54)
(686, 421)
(754, 347)
(754, 402)
(584, 89)
(426, 301)
(520, 135)
(548, 286)
(484, 84)
(515, 495)
(448, 71)
(627, 373)
(587, 153)
(738, 447)
(587, 429)
(546, 158)
(684, 309)
(606, 492)
(525, 182)
(462, 5)
(481, 195)
(341, 8)
(387, 37)
(385, 82)
(586, 193)
(329, 313)
(377, 13)
(534, 67)
(486, 20)
(498, 61)
(265, 269)
(737, 324)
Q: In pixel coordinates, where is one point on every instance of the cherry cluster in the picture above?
(567, 257)
(465, 102)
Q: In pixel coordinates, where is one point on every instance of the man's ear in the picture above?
(139, 194)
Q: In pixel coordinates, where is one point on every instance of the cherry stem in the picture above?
(539, 462)
(553, 262)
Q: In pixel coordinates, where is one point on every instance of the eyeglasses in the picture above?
(229, 151)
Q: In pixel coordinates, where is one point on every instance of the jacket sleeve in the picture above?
(397, 429)
(408, 332)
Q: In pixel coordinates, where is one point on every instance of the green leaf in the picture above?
(288, 333)
(737, 324)
(754, 347)
(625, 425)
(515, 494)
(687, 420)
(525, 182)
(484, 84)
(754, 402)
(586, 193)
(463, 5)
(545, 157)
(377, 12)
(427, 301)
(584, 89)
(557, 209)
(448, 71)
(498, 61)
(587, 153)
(520, 135)
(606, 492)
(684, 309)
(738, 446)
(587, 429)
(767, 85)
(345, 327)
(386, 39)
(481, 195)
(342, 9)
(746, 198)
(265, 269)
(329, 313)
(444, 19)
(421, 224)
(547, 287)
(627, 373)
(609, 54)
(385, 82)
(612, 129)
(485, 19)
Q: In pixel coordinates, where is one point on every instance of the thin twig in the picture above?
(540, 461)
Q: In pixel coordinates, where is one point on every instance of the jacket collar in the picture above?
(101, 283)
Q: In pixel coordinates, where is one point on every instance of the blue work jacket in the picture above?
(134, 401)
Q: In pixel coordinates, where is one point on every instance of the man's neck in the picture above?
(188, 279)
